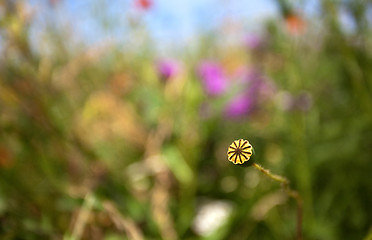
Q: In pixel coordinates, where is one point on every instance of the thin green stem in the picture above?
(275, 177)
(292, 193)
(82, 218)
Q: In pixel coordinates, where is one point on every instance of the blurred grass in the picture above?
(99, 122)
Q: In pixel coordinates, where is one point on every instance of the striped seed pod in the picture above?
(239, 151)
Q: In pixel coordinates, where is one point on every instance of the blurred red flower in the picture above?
(144, 4)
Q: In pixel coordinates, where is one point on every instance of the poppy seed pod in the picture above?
(239, 151)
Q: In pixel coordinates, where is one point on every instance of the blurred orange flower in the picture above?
(295, 24)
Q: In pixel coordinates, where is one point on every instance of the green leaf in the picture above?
(178, 165)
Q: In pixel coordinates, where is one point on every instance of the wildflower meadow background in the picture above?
(115, 119)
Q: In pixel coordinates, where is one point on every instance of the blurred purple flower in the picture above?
(239, 106)
(255, 89)
(259, 85)
(253, 41)
(213, 78)
(168, 68)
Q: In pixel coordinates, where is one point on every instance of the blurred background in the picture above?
(115, 118)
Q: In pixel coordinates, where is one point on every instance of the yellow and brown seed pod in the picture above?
(239, 151)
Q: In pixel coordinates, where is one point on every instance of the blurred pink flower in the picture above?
(168, 68)
(213, 78)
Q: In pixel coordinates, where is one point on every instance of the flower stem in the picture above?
(292, 193)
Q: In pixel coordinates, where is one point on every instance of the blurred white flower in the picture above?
(210, 216)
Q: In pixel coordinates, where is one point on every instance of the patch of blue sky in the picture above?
(167, 22)
(182, 20)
